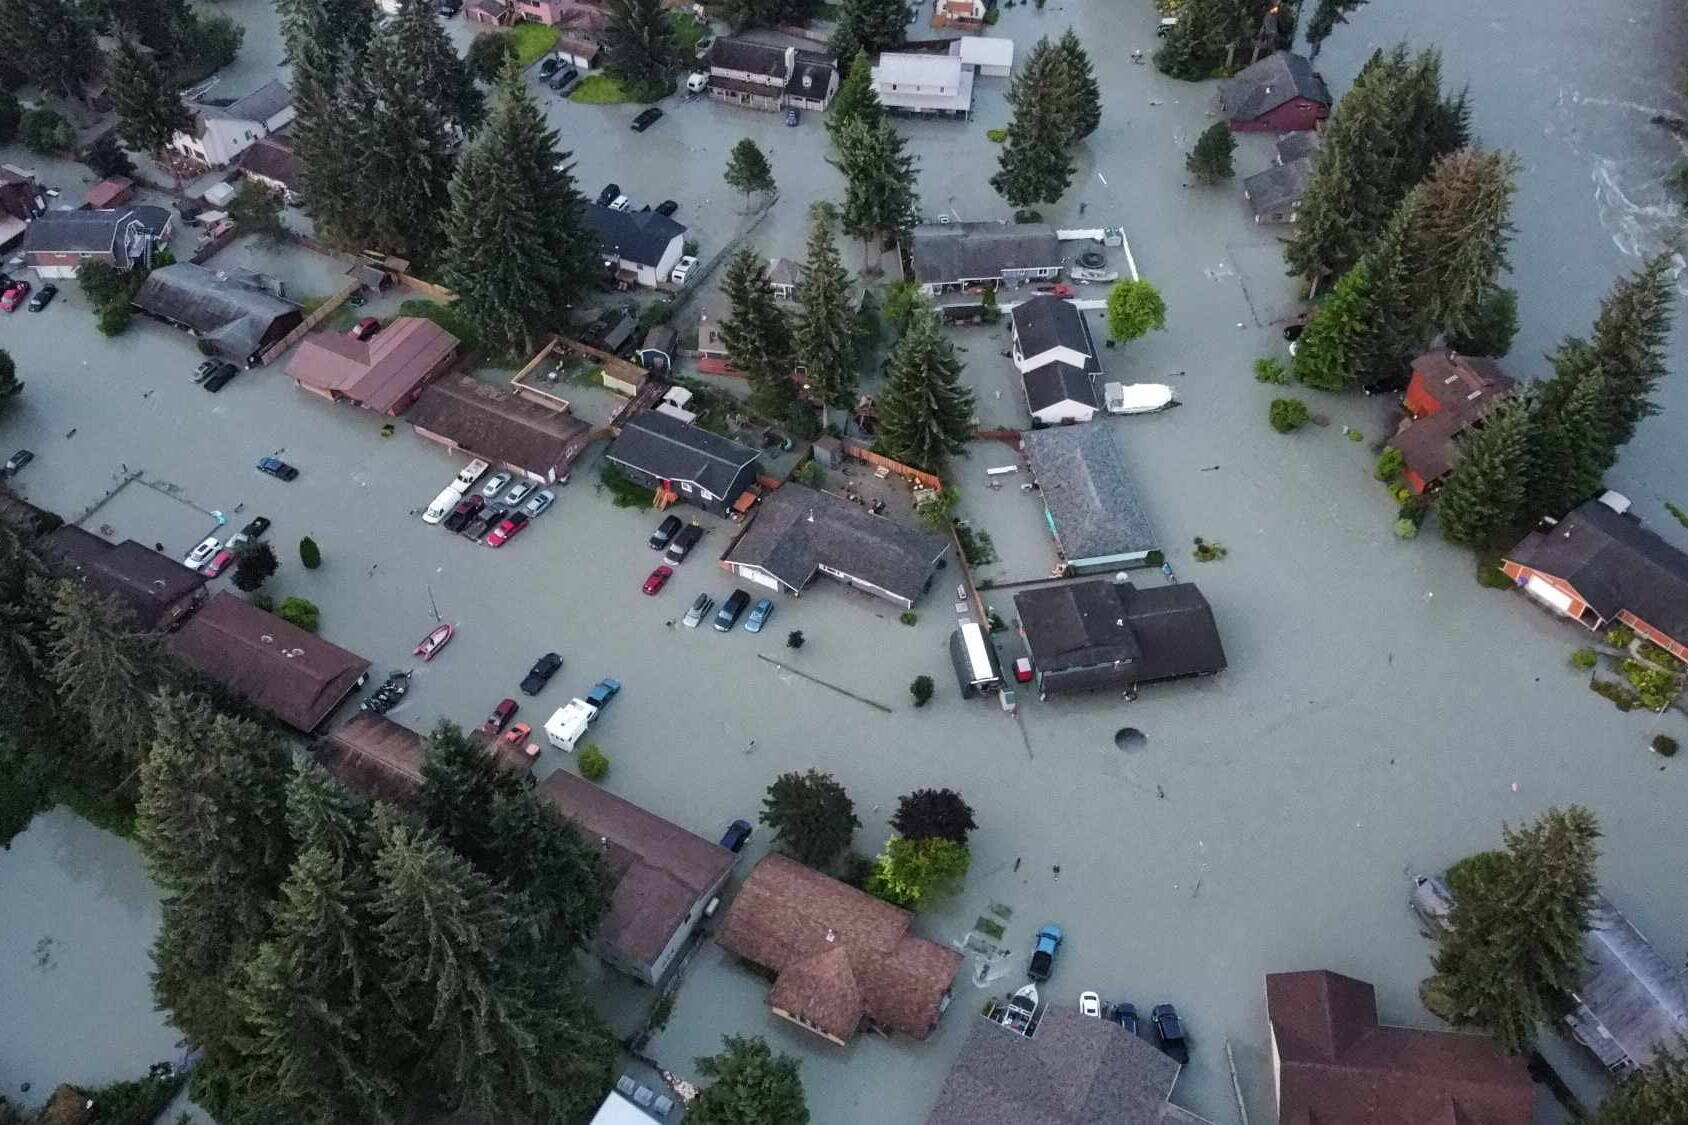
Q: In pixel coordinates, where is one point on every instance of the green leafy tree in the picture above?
(910, 873)
(1325, 17)
(254, 562)
(1034, 165)
(45, 132)
(1491, 325)
(925, 412)
(748, 170)
(301, 612)
(106, 158)
(52, 42)
(257, 210)
(489, 53)
(757, 335)
(1210, 160)
(879, 194)
(750, 1086)
(1656, 1094)
(902, 300)
(518, 250)
(867, 27)
(826, 324)
(215, 42)
(1082, 93)
(812, 816)
(106, 670)
(927, 814)
(1485, 493)
(856, 99)
(1134, 308)
(1513, 952)
(638, 45)
(149, 107)
(10, 385)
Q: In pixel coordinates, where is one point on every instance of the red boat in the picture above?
(433, 642)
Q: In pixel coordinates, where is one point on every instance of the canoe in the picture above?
(434, 641)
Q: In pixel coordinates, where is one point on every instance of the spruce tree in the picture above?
(420, 49)
(25, 636)
(757, 336)
(1034, 166)
(1083, 94)
(461, 782)
(561, 879)
(1210, 160)
(311, 26)
(1325, 17)
(1491, 326)
(50, 41)
(106, 670)
(925, 413)
(638, 46)
(879, 195)
(1588, 421)
(1365, 328)
(1205, 35)
(400, 132)
(867, 27)
(826, 321)
(1485, 493)
(748, 170)
(1629, 339)
(10, 385)
(518, 251)
(327, 40)
(1462, 227)
(1552, 465)
(856, 100)
(149, 107)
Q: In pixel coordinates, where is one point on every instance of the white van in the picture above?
(444, 502)
(697, 81)
(565, 726)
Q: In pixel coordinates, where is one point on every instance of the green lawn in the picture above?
(599, 89)
(532, 41)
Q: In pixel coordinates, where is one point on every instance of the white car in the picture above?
(444, 502)
(518, 492)
(681, 268)
(622, 203)
(495, 485)
(201, 554)
(1090, 1004)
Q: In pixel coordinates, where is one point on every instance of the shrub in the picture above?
(1619, 636)
(794, 639)
(1647, 650)
(921, 689)
(1207, 550)
(309, 555)
(46, 132)
(977, 549)
(1353, 435)
(1405, 528)
(1654, 687)
(1270, 369)
(996, 136)
(663, 1011)
(262, 600)
(1621, 697)
(625, 492)
(1390, 464)
(813, 474)
(1492, 577)
(1402, 493)
(1664, 745)
(1287, 414)
(1584, 658)
(594, 765)
(115, 319)
(908, 617)
(300, 612)
(995, 623)
(1677, 513)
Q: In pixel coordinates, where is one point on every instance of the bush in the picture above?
(625, 492)
(1402, 493)
(1287, 414)
(1405, 528)
(794, 639)
(1584, 658)
(1664, 745)
(996, 136)
(115, 319)
(1390, 464)
(594, 764)
(1654, 687)
(1619, 636)
(977, 549)
(812, 473)
(1208, 551)
(1353, 435)
(309, 554)
(262, 600)
(921, 689)
(1493, 577)
(299, 612)
(1647, 650)
(1621, 697)
(1270, 369)
(46, 132)
(909, 617)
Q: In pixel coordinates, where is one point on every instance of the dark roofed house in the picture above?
(468, 416)
(1056, 357)
(1602, 567)
(1334, 1062)
(664, 875)
(642, 247)
(841, 960)
(799, 532)
(379, 758)
(235, 315)
(296, 676)
(1090, 504)
(1447, 395)
(158, 590)
(1275, 194)
(1075, 1071)
(944, 257)
(770, 78)
(703, 468)
(58, 242)
(1631, 1001)
(384, 373)
(271, 162)
(1279, 94)
(1108, 634)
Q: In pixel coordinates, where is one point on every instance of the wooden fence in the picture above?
(317, 315)
(907, 472)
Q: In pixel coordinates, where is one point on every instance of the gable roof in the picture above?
(636, 236)
(1278, 78)
(260, 105)
(297, 676)
(811, 74)
(1058, 382)
(797, 922)
(272, 158)
(660, 869)
(117, 231)
(730, 53)
(666, 447)
(951, 252)
(1458, 381)
(1296, 145)
(1614, 563)
(1632, 1001)
(496, 425)
(377, 757)
(1278, 187)
(1075, 1071)
(798, 529)
(232, 309)
(1095, 508)
(1152, 633)
(1338, 1064)
(1046, 322)
(140, 579)
(378, 373)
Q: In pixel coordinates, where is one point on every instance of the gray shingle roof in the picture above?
(1058, 382)
(1144, 634)
(637, 236)
(666, 447)
(231, 310)
(94, 232)
(260, 105)
(1268, 84)
(974, 251)
(1630, 991)
(1615, 563)
(817, 69)
(1046, 322)
(798, 530)
(1094, 506)
(1294, 146)
(752, 58)
(1279, 188)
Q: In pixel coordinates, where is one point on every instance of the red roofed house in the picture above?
(1332, 1062)
(842, 960)
(1448, 394)
(112, 192)
(384, 373)
(1281, 93)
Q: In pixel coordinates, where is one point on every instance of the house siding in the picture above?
(1062, 413)
(1296, 115)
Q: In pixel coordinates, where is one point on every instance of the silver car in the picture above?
(700, 609)
(201, 554)
(518, 492)
(538, 502)
(496, 485)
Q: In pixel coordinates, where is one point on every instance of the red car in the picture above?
(365, 328)
(500, 717)
(219, 562)
(14, 296)
(507, 530)
(517, 734)
(658, 579)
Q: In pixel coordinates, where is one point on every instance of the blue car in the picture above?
(759, 616)
(602, 692)
(276, 467)
(1043, 953)
(737, 836)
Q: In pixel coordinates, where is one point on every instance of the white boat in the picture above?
(1081, 273)
(1021, 1007)
(1137, 398)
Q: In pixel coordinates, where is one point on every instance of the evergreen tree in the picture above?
(1083, 94)
(537, 854)
(326, 41)
(812, 816)
(751, 1086)
(1325, 17)
(489, 53)
(879, 196)
(1491, 326)
(1656, 1094)
(1204, 38)
(1553, 469)
(1585, 422)
(461, 783)
(105, 670)
(149, 107)
(51, 42)
(856, 100)
(398, 133)
(10, 385)
(1513, 952)
(757, 336)
(309, 27)
(1366, 328)
(25, 635)
(638, 46)
(1629, 340)
(867, 27)
(418, 48)
(1485, 493)
(748, 170)
(1034, 166)
(826, 322)
(1462, 226)
(106, 158)
(518, 251)
(1210, 160)
(925, 413)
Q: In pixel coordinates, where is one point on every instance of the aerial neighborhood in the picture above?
(757, 562)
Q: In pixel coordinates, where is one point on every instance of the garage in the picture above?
(1546, 593)
(758, 576)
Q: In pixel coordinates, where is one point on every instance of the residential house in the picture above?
(384, 373)
(1092, 509)
(222, 130)
(799, 532)
(639, 247)
(784, 276)
(962, 15)
(1333, 1061)
(21, 200)
(271, 162)
(924, 84)
(547, 12)
(1057, 360)
(841, 961)
(157, 590)
(1076, 1070)
(949, 257)
(1631, 1003)
(114, 191)
(771, 78)
(1275, 194)
(1600, 566)
(470, 417)
(1107, 634)
(234, 314)
(632, 1103)
(296, 676)
(579, 51)
(701, 468)
(1279, 94)
(988, 57)
(378, 758)
(57, 243)
(664, 876)
(1448, 394)
(493, 13)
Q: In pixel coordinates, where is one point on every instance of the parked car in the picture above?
(518, 492)
(566, 80)
(646, 119)
(219, 562)
(759, 615)
(277, 468)
(683, 543)
(667, 207)
(495, 484)
(464, 511)
(220, 378)
(736, 836)
(602, 692)
(1169, 1032)
(548, 65)
(792, 117)
(518, 734)
(697, 81)
(1125, 1015)
(664, 532)
(448, 8)
(44, 298)
(14, 295)
(365, 328)
(440, 506)
(500, 717)
(539, 503)
(205, 370)
(682, 269)
(1090, 1004)
(658, 579)
(507, 529)
(253, 530)
(18, 460)
(700, 607)
(1043, 953)
(202, 553)
(609, 194)
(730, 610)
(540, 674)
(622, 203)
(483, 525)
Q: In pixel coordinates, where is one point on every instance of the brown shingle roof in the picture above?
(496, 425)
(137, 577)
(379, 758)
(378, 373)
(1338, 1064)
(1455, 380)
(797, 922)
(295, 675)
(1427, 444)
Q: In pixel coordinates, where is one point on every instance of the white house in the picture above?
(930, 85)
(992, 58)
(1056, 357)
(642, 247)
(223, 130)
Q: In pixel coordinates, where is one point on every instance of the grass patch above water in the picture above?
(532, 41)
(599, 89)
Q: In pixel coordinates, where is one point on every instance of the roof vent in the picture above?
(831, 935)
(265, 638)
(808, 81)
(292, 653)
(1121, 578)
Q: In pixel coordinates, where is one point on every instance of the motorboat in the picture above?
(1017, 1014)
(1137, 398)
(387, 696)
(435, 640)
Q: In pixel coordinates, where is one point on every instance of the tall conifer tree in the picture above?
(925, 413)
